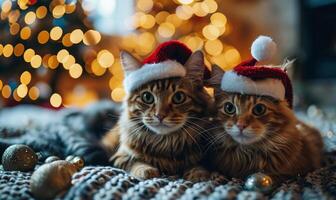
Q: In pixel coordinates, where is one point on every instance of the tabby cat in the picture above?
(160, 128)
(260, 134)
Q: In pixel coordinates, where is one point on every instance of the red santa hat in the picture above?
(165, 62)
(247, 78)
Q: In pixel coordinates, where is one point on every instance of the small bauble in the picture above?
(51, 159)
(259, 182)
(19, 157)
(51, 179)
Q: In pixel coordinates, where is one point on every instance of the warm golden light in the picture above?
(52, 62)
(232, 57)
(14, 28)
(61, 55)
(36, 61)
(41, 12)
(184, 12)
(1, 84)
(218, 19)
(18, 49)
(56, 33)
(161, 17)
(76, 36)
(210, 32)
(194, 43)
(147, 21)
(43, 37)
(200, 9)
(25, 33)
(6, 91)
(6, 6)
(22, 90)
(115, 82)
(212, 5)
(75, 71)
(118, 94)
(56, 100)
(214, 47)
(97, 69)
(105, 58)
(185, 1)
(91, 37)
(25, 78)
(7, 50)
(28, 54)
(34, 93)
(68, 61)
(166, 30)
(30, 17)
(70, 8)
(16, 96)
(66, 40)
(145, 5)
(58, 11)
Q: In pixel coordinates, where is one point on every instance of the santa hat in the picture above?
(165, 62)
(247, 78)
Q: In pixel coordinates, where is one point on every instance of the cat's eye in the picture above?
(147, 97)
(259, 109)
(179, 97)
(229, 108)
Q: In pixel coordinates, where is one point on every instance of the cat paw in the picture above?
(197, 174)
(145, 172)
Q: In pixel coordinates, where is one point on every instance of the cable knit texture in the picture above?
(69, 132)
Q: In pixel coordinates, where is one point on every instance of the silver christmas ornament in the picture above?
(19, 157)
(259, 182)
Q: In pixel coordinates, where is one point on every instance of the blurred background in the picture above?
(65, 53)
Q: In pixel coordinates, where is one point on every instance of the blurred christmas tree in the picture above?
(50, 51)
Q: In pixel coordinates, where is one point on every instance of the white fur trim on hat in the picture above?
(263, 48)
(232, 82)
(151, 72)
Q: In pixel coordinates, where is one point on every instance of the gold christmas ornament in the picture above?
(259, 182)
(51, 179)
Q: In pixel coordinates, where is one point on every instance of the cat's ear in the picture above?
(195, 66)
(216, 76)
(129, 62)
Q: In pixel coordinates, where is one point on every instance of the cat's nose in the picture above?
(160, 117)
(241, 126)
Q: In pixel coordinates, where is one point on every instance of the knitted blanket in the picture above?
(74, 132)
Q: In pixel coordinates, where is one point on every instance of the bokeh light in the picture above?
(56, 100)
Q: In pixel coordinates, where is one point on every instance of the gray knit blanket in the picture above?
(74, 132)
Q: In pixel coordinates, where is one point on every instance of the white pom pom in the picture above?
(263, 48)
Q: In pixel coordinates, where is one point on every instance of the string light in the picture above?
(118, 94)
(105, 58)
(41, 12)
(28, 54)
(91, 37)
(19, 49)
(34, 93)
(30, 17)
(43, 37)
(56, 33)
(56, 100)
(7, 50)
(25, 77)
(6, 91)
(25, 33)
(75, 71)
(22, 90)
(76, 36)
(36, 61)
